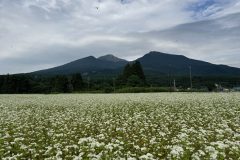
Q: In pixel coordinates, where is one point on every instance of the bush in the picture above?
(142, 89)
(108, 90)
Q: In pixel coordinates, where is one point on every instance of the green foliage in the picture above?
(77, 82)
(14, 84)
(133, 75)
(127, 72)
(211, 86)
(142, 89)
(134, 81)
(25, 83)
(61, 84)
(36, 84)
(108, 90)
(137, 70)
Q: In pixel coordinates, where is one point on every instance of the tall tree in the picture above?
(137, 70)
(127, 72)
(133, 75)
(77, 82)
(135, 81)
(6, 84)
(60, 84)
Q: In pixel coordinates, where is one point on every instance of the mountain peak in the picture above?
(90, 57)
(156, 53)
(112, 58)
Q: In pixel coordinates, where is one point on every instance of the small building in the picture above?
(237, 89)
(220, 88)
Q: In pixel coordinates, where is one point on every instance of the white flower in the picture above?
(148, 156)
(176, 151)
(212, 151)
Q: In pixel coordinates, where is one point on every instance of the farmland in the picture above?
(120, 126)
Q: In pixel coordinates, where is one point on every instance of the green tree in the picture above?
(77, 82)
(133, 75)
(137, 70)
(6, 86)
(134, 81)
(210, 86)
(60, 84)
(127, 72)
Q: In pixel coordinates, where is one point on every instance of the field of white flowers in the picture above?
(120, 126)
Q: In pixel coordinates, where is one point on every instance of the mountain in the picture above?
(112, 58)
(89, 65)
(163, 63)
(153, 63)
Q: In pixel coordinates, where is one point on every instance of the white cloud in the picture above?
(40, 33)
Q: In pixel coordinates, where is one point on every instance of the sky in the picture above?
(39, 34)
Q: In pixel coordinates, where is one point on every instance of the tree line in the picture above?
(131, 79)
(25, 83)
(40, 84)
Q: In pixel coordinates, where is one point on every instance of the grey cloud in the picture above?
(209, 40)
(40, 34)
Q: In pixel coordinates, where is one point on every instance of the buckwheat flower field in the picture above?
(120, 126)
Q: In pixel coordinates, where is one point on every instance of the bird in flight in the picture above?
(97, 8)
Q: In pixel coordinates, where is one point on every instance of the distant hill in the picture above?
(153, 63)
(162, 63)
(89, 65)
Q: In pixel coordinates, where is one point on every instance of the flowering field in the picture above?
(120, 126)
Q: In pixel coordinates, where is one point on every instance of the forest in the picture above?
(132, 79)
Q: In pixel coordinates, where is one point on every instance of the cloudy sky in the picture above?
(38, 34)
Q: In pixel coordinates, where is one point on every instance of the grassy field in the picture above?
(120, 126)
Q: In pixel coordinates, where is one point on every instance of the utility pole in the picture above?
(114, 85)
(169, 77)
(88, 81)
(190, 76)
(174, 85)
(103, 82)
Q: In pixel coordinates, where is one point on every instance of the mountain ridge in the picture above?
(153, 63)
(110, 57)
(179, 65)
